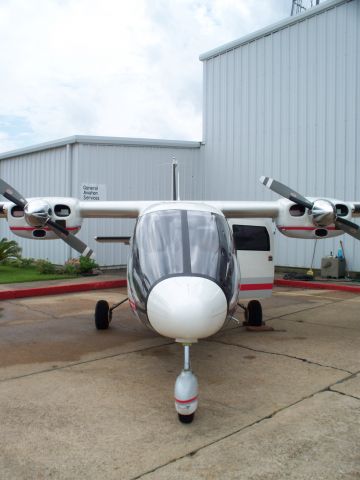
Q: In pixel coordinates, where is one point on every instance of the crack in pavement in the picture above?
(297, 311)
(306, 310)
(218, 339)
(305, 322)
(51, 315)
(319, 294)
(250, 425)
(84, 362)
(344, 394)
(31, 309)
(305, 360)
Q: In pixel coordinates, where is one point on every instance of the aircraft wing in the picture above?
(112, 209)
(255, 209)
(47, 218)
(132, 209)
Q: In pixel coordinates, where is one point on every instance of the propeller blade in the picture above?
(70, 239)
(286, 192)
(11, 194)
(349, 227)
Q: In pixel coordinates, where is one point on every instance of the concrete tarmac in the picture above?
(76, 403)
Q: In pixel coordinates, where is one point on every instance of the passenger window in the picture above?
(251, 237)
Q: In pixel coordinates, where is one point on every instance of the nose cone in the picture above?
(187, 308)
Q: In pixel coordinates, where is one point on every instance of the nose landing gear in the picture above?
(186, 390)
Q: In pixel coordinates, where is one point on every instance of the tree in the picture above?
(9, 250)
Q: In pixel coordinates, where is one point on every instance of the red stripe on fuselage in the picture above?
(255, 286)
(306, 229)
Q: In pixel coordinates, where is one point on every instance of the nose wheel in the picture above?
(186, 391)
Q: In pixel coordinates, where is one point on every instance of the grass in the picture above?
(10, 274)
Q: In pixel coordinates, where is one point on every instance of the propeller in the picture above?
(286, 192)
(323, 211)
(11, 194)
(349, 227)
(38, 214)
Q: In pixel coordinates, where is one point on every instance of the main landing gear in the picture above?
(254, 317)
(103, 313)
(186, 390)
(253, 314)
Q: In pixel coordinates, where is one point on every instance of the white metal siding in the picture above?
(128, 172)
(286, 105)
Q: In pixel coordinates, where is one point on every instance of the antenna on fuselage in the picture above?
(175, 180)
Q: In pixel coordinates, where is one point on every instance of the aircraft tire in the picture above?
(102, 317)
(254, 313)
(186, 418)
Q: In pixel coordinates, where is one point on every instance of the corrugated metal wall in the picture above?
(286, 105)
(131, 173)
(128, 172)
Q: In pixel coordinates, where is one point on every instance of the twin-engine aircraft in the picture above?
(184, 276)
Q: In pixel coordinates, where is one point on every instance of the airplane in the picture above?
(184, 275)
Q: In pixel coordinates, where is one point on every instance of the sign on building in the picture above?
(92, 191)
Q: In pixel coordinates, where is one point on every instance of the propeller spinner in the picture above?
(323, 211)
(38, 214)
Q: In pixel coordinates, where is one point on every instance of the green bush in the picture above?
(27, 262)
(72, 266)
(12, 262)
(44, 266)
(71, 269)
(9, 250)
(87, 265)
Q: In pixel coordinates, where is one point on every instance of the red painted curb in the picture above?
(59, 289)
(83, 287)
(321, 286)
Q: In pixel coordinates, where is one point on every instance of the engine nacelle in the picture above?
(61, 210)
(298, 222)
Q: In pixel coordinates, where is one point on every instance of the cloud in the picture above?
(113, 67)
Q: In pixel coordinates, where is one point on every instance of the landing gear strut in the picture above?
(186, 390)
(103, 313)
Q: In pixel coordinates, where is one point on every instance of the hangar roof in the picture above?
(271, 29)
(98, 140)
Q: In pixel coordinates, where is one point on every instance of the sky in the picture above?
(113, 67)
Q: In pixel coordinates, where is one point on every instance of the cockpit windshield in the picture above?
(181, 242)
(159, 245)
